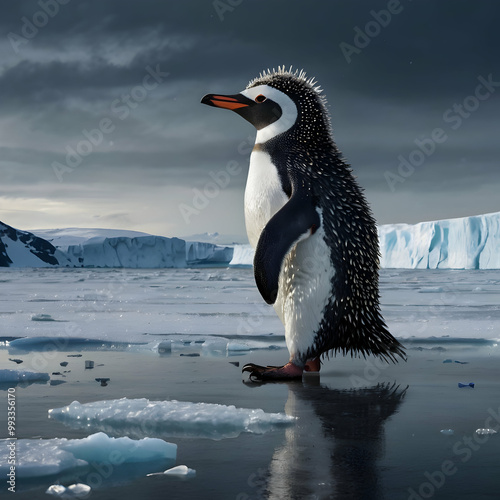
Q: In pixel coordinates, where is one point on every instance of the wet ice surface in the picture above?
(121, 305)
(362, 419)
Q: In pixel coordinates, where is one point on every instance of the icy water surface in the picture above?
(365, 430)
(142, 305)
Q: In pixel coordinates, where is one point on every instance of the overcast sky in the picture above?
(118, 84)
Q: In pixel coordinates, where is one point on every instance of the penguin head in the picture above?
(279, 102)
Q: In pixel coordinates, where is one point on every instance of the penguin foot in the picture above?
(273, 373)
(313, 365)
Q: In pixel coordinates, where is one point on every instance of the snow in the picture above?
(16, 376)
(170, 418)
(464, 243)
(24, 249)
(46, 457)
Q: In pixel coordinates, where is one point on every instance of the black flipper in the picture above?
(289, 225)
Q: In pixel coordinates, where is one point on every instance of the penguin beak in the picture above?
(232, 102)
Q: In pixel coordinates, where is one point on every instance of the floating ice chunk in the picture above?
(141, 417)
(165, 347)
(97, 448)
(431, 289)
(78, 490)
(483, 432)
(179, 471)
(45, 457)
(56, 489)
(8, 376)
(42, 317)
(238, 346)
(447, 432)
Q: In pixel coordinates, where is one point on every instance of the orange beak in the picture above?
(227, 101)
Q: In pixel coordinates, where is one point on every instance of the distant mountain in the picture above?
(24, 249)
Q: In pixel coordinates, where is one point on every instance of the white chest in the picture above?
(264, 195)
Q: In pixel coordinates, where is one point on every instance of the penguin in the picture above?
(315, 239)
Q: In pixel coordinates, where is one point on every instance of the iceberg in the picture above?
(122, 251)
(47, 457)
(140, 417)
(242, 256)
(207, 253)
(463, 243)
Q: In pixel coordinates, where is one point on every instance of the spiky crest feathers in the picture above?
(291, 73)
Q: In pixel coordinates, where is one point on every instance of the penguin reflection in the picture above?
(333, 450)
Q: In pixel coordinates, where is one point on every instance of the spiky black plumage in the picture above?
(352, 321)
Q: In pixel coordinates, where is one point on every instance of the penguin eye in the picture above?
(260, 98)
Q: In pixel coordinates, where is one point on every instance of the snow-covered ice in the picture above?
(16, 376)
(169, 418)
(47, 457)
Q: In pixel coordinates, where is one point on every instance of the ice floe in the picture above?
(46, 457)
(140, 417)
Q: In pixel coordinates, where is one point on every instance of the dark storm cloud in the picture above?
(388, 85)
